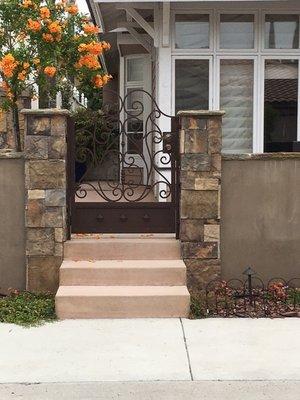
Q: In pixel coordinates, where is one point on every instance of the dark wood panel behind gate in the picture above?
(123, 169)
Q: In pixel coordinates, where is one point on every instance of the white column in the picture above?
(164, 99)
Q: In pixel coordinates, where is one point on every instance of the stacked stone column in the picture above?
(45, 185)
(200, 178)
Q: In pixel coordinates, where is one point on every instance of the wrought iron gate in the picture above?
(123, 168)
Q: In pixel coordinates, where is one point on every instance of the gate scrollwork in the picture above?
(126, 154)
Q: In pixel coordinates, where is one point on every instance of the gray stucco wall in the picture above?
(260, 210)
(12, 237)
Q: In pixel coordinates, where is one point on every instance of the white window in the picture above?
(281, 31)
(136, 72)
(236, 31)
(134, 100)
(135, 68)
(236, 97)
(192, 84)
(192, 31)
(135, 126)
(248, 65)
(281, 88)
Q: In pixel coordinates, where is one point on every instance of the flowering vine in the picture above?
(47, 42)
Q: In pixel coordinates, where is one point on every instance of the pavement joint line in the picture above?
(187, 350)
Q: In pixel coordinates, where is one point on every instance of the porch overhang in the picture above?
(107, 13)
(134, 24)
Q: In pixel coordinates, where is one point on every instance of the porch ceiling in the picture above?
(110, 14)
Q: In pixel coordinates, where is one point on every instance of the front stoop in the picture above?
(122, 278)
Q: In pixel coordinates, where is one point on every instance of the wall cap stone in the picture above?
(200, 113)
(260, 156)
(45, 111)
(8, 153)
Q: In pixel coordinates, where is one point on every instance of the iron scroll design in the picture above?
(134, 157)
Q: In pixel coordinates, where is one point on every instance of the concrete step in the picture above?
(122, 249)
(123, 273)
(122, 302)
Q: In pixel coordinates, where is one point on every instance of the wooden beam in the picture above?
(156, 16)
(140, 38)
(126, 39)
(166, 24)
(125, 24)
(139, 19)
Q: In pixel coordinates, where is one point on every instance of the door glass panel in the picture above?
(135, 143)
(135, 69)
(236, 98)
(134, 124)
(135, 136)
(134, 98)
(237, 31)
(191, 31)
(282, 31)
(191, 85)
(280, 104)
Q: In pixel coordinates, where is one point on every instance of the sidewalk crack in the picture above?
(186, 349)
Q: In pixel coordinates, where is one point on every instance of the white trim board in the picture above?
(187, 1)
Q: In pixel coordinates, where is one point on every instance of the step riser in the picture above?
(122, 278)
(153, 250)
(122, 307)
(128, 277)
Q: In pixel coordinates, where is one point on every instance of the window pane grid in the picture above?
(192, 31)
(236, 98)
(191, 84)
(281, 31)
(236, 31)
(280, 104)
(260, 37)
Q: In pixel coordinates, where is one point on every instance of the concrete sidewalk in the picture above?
(140, 351)
(171, 390)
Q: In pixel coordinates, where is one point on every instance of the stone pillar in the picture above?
(45, 189)
(200, 177)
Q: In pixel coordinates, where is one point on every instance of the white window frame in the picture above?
(262, 92)
(210, 13)
(263, 31)
(259, 54)
(145, 85)
(254, 58)
(210, 80)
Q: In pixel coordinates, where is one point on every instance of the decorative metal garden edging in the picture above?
(249, 298)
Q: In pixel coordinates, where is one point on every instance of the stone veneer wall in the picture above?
(45, 196)
(200, 178)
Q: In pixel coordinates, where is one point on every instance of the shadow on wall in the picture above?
(260, 208)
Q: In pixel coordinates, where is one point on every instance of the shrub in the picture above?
(27, 309)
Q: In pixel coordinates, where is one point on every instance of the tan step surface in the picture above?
(122, 249)
(123, 272)
(122, 302)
